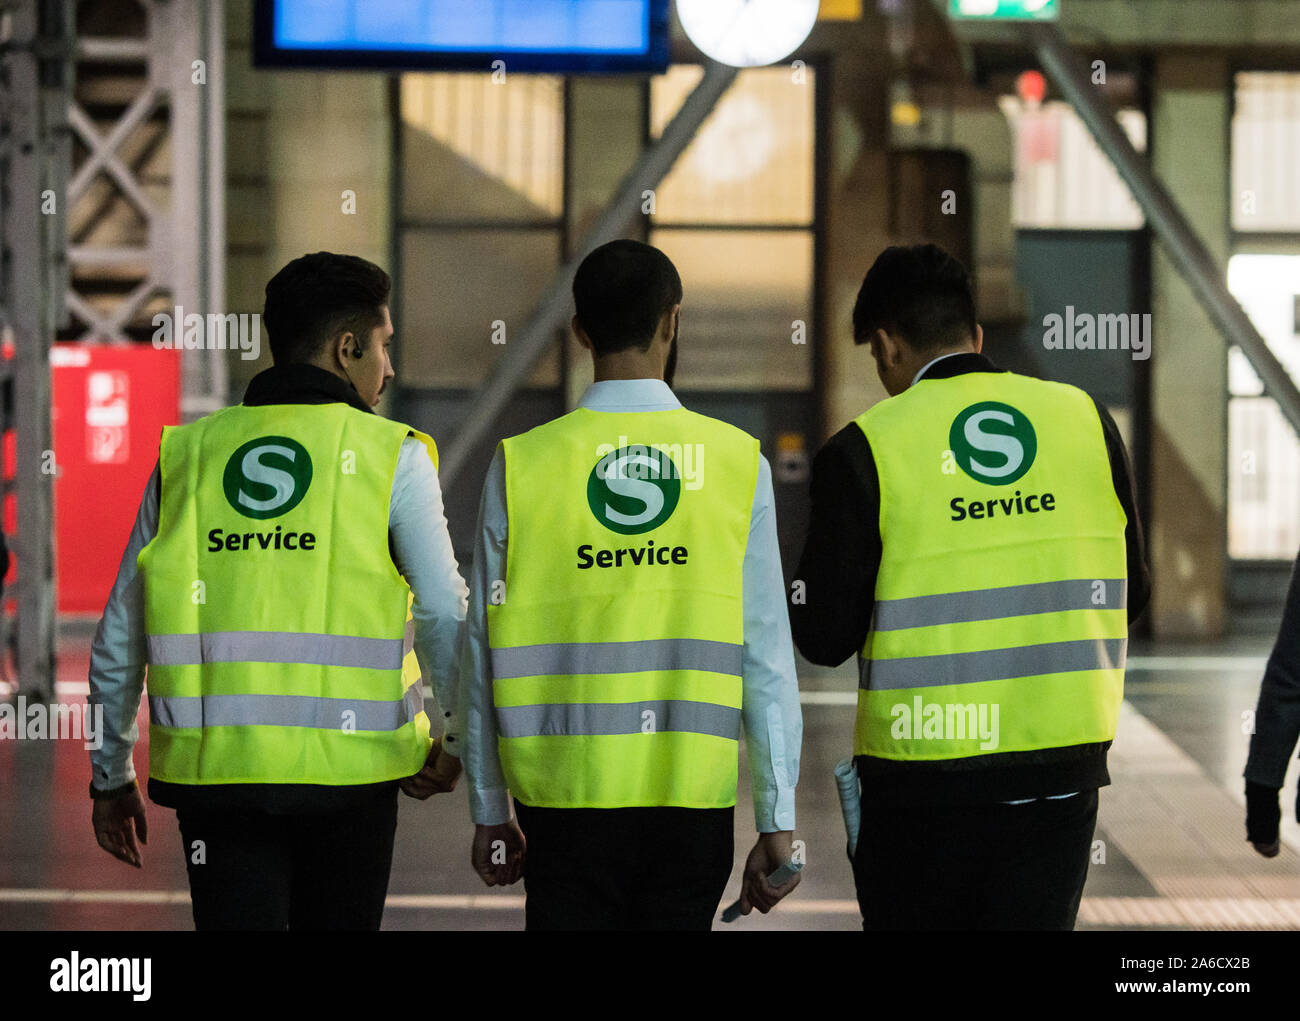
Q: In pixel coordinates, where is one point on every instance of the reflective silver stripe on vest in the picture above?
(285, 711)
(569, 719)
(570, 658)
(991, 603)
(275, 647)
(408, 638)
(992, 664)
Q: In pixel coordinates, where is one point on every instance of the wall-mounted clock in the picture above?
(748, 33)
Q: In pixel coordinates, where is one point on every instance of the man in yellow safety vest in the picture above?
(975, 540)
(288, 575)
(625, 617)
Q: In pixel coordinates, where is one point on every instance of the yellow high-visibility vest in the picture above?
(618, 636)
(1000, 618)
(279, 642)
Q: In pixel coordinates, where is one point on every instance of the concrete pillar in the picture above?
(295, 142)
(1189, 391)
(856, 229)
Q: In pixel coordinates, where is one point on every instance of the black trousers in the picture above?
(625, 868)
(255, 870)
(989, 866)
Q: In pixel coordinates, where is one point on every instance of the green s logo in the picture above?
(634, 489)
(993, 443)
(267, 477)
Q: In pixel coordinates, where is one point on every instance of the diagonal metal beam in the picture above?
(110, 161)
(96, 325)
(130, 305)
(552, 309)
(104, 147)
(1187, 251)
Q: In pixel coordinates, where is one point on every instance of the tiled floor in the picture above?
(1171, 824)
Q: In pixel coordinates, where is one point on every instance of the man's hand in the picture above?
(438, 776)
(1263, 818)
(771, 851)
(498, 854)
(117, 822)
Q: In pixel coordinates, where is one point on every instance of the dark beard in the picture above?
(670, 367)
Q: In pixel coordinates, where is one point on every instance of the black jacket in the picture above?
(839, 565)
(287, 384)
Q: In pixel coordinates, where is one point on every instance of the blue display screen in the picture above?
(551, 35)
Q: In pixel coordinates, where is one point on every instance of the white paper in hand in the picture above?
(846, 779)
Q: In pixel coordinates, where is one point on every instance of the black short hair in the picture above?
(621, 292)
(920, 293)
(318, 297)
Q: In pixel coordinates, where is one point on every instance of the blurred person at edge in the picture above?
(605, 689)
(285, 696)
(1277, 726)
(974, 538)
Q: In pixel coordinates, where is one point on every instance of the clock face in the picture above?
(748, 33)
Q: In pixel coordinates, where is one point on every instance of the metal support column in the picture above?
(1186, 250)
(35, 82)
(196, 229)
(553, 307)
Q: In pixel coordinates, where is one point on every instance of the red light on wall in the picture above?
(1031, 87)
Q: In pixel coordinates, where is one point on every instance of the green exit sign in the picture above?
(1005, 10)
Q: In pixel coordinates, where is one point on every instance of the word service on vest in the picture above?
(219, 540)
(633, 490)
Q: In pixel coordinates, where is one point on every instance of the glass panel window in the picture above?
(1263, 451)
(1062, 178)
(736, 215)
(1266, 153)
(465, 294)
(752, 161)
(482, 197)
(745, 295)
(477, 149)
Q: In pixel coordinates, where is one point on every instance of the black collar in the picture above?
(959, 365)
(301, 383)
